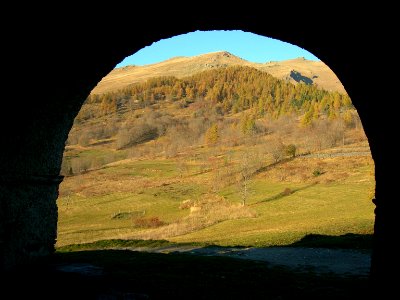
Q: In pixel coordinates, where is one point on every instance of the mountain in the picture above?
(294, 70)
(303, 70)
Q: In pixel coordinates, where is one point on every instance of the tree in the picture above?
(348, 119)
(307, 118)
(248, 124)
(212, 135)
(346, 101)
(336, 101)
(243, 180)
(182, 167)
(332, 114)
(291, 150)
(276, 148)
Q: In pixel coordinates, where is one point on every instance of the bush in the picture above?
(317, 172)
(127, 215)
(136, 133)
(287, 192)
(186, 204)
(80, 165)
(84, 138)
(151, 222)
(290, 150)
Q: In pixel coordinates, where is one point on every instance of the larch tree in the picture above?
(212, 135)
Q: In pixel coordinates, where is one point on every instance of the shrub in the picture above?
(287, 192)
(186, 204)
(84, 138)
(136, 133)
(127, 215)
(317, 172)
(151, 222)
(290, 150)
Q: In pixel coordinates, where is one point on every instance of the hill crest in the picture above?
(293, 70)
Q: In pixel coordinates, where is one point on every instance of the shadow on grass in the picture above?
(123, 244)
(283, 194)
(273, 165)
(344, 241)
(123, 274)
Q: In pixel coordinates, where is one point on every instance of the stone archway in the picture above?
(49, 99)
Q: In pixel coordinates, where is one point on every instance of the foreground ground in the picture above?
(344, 255)
(318, 260)
(124, 274)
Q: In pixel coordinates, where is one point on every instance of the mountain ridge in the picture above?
(309, 72)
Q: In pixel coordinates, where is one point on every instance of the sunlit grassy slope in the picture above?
(106, 203)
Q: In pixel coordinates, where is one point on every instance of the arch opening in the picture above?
(191, 147)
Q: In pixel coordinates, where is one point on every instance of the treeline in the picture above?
(229, 90)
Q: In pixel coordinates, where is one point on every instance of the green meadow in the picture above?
(158, 199)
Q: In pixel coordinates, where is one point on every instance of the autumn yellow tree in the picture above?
(212, 135)
(306, 120)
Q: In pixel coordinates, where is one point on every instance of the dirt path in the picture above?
(319, 260)
(337, 154)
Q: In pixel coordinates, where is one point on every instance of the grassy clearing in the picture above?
(332, 209)
(203, 213)
(144, 168)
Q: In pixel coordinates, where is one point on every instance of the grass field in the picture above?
(187, 200)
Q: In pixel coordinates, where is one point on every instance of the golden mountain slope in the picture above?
(315, 71)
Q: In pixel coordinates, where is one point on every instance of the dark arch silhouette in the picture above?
(54, 63)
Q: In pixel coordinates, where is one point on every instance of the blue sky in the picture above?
(249, 46)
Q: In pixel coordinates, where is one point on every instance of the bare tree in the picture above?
(276, 148)
(248, 165)
(182, 167)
